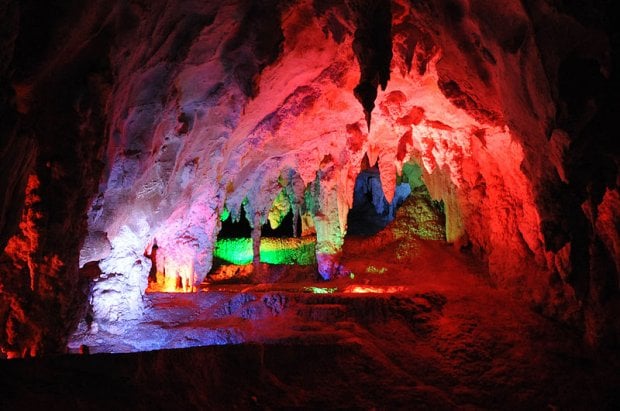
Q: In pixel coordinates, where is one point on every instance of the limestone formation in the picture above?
(122, 123)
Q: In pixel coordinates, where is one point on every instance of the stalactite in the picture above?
(373, 48)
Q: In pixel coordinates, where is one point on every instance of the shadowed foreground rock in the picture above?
(314, 375)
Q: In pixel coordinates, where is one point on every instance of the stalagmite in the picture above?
(256, 239)
(329, 233)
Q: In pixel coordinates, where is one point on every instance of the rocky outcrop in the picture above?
(52, 143)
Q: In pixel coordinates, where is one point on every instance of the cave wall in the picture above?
(126, 122)
(54, 90)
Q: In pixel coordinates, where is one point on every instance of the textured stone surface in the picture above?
(54, 90)
(422, 330)
(158, 116)
(355, 351)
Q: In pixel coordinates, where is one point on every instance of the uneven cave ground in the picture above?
(418, 325)
(425, 330)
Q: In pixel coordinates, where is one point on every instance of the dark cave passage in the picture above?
(279, 245)
(371, 212)
(235, 229)
(242, 228)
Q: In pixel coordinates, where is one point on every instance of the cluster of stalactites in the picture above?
(316, 204)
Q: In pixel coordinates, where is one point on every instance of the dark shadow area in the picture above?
(241, 376)
(242, 229)
(235, 229)
(371, 211)
(284, 230)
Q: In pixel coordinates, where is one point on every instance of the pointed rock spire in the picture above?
(366, 93)
(373, 48)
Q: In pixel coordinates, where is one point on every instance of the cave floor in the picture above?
(279, 301)
(421, 330)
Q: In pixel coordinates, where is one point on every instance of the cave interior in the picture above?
(309, 204)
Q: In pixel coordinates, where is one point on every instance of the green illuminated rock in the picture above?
(272, 250)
